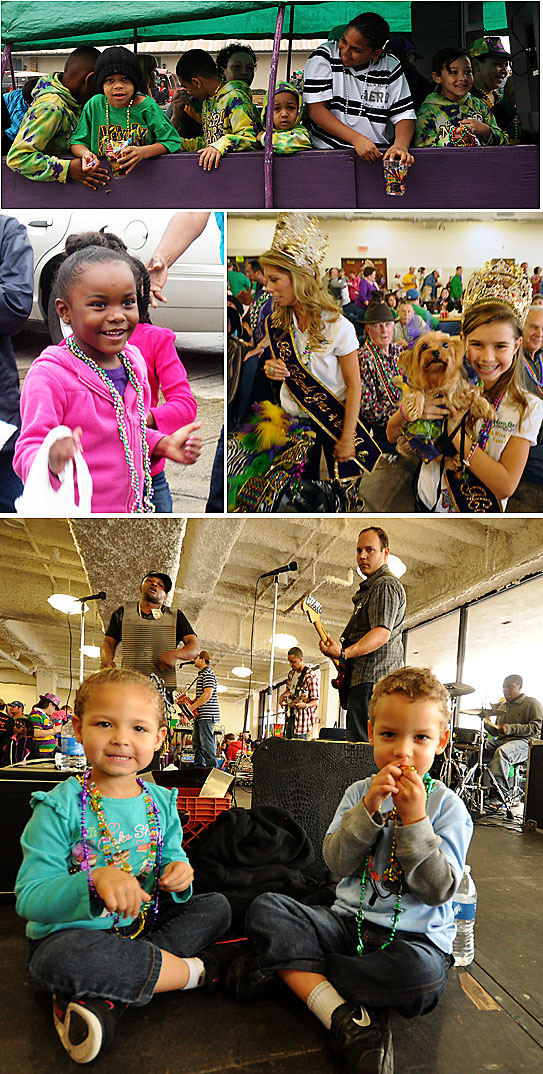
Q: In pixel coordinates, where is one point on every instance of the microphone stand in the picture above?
(84, 609)
(272, 655)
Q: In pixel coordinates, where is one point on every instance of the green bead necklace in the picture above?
(392, 877)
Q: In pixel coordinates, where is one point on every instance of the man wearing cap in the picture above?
(50, 121)
(16, 710)
(490, 70)
(44, 728)
(378, 358)
(205, 709)
(154, 639)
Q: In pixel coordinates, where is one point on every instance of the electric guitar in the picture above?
(342, 682)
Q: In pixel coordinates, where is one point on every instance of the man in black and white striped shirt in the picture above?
(206, 712)
(357, 96)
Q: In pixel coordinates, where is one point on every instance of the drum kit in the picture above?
(463, 766)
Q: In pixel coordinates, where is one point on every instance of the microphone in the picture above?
(280, 570)
(94, 596)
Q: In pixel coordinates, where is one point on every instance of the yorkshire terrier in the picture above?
(435, 365)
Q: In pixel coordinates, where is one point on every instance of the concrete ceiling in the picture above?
(216, 564)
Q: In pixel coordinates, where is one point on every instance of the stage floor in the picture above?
(490, 1018)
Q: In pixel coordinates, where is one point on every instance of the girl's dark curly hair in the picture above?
(81, 241)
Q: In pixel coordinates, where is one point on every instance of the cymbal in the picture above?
(458, 689)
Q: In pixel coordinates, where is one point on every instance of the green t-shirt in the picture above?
(148, 125)
(238, 282)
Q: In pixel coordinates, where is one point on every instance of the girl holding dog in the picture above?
(484, 460)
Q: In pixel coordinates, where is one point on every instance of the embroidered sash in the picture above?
(323, 407)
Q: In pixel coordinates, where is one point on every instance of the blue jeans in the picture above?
(162, 497)
(101, 962)
(203, 743)
(408, 976)
(11, 486)
(512, 751)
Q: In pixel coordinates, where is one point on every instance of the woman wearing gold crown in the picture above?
(314, 349)
(312, 352)
(485, 459)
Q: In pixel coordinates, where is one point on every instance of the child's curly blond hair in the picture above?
(118, 676)
(418, 684)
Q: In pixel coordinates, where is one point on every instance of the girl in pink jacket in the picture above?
(96, 384)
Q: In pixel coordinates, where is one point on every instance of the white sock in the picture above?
(197, 974)
(324, 1000)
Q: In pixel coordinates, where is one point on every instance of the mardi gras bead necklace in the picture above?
(537, 380)
(482, 439)
(110, 847)
(109, 125)
(392, 876)
(385, 375)
(142, 504)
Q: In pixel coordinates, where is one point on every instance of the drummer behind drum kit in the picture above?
(463, 766)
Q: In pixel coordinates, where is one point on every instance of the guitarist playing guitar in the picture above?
(301, 696)
(371, 644)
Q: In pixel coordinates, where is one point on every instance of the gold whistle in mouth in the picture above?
(408, 768)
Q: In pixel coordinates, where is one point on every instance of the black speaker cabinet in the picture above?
(16, 787)
(309, 779)
(533, 800)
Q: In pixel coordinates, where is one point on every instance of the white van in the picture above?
(195, 286)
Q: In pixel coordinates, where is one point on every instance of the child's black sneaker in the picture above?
(218, 958)
(239, 982)
(362, 1049)
(86, 1026)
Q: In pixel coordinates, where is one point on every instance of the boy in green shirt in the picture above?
(451, 116)
(229, 118)
(121, 113)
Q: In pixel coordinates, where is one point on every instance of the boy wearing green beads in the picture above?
(399, 841)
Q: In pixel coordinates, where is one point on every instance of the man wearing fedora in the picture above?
(154, 638)
(378, 358)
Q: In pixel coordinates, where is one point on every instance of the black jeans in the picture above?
(358, 704)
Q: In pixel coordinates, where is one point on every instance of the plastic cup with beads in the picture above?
(114, 151)
(395, 173)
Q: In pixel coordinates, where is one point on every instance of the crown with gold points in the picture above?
(300, 238)
(499, 281)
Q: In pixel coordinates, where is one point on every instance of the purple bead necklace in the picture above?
(90, 793)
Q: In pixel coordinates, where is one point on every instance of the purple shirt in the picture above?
(364, 292)
(119, 378)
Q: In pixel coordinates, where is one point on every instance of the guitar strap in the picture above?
(299, 685)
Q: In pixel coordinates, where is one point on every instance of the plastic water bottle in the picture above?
(72, 755)
(464, 906)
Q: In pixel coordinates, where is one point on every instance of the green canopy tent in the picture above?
(48, 24)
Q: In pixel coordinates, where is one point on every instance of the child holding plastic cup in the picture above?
(120, 122)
